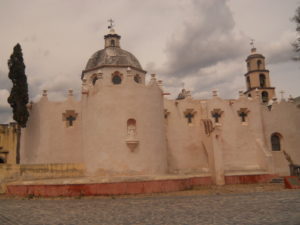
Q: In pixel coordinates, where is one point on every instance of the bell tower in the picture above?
(258, 78)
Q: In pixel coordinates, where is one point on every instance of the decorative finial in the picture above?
(160, 83)
(214, 92)
(282, 94)
(241, 93)
(70, 92)
(291, 99)
(111, 25)
(44, 92)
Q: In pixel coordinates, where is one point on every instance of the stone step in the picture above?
(278, 180)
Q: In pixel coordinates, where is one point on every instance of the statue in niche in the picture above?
(131, 129)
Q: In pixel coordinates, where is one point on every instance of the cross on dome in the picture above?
(252, 43)
(253, 49)
(111, 24)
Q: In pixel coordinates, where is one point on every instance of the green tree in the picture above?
(18, 98)
(296, 44)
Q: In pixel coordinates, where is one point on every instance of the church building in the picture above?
(123, 126)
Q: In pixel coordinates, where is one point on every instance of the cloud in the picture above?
(5, 110)
(5, 82)
(204, 39)
(205, 52)
(3, 97)
(280, 50)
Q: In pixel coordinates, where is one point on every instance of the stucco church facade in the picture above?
(123, 126)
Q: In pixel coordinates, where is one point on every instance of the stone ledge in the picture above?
(126, 187)
(244, 172)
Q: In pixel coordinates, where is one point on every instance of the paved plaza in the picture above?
(251, 208)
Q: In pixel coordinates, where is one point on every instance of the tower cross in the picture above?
(111, 24)
(252, 43)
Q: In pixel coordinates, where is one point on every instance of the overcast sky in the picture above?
(201, 44)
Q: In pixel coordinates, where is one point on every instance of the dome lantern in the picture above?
(112, 39)
(112, 55)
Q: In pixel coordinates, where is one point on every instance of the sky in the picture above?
(200, 45)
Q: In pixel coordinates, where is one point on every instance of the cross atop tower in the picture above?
(252, 43)
(253, 49)
(111, 24)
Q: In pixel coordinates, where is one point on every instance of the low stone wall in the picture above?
(8, 172)
(44, 171)
(126, 187)
(118, 188)
(13, 172)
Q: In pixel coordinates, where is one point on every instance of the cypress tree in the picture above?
(18, 98)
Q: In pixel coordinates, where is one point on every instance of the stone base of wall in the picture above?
(123, 188)
(249, 179)
(119, 188)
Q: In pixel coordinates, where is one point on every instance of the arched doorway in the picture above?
(276, 142)
(264, 97)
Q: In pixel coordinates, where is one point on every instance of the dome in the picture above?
(112, 56)
(254, 55)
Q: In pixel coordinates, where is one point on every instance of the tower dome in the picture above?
(112, 55)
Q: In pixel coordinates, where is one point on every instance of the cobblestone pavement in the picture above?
(257, 208)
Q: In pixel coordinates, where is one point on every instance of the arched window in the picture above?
(116, 78)
(137, 78)
(262, 80)
(94, 79)
(248, 65)
(275, 142)
(248, 82)
(2, 160)
(264, 97)
(112, 43)
(258, 64)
